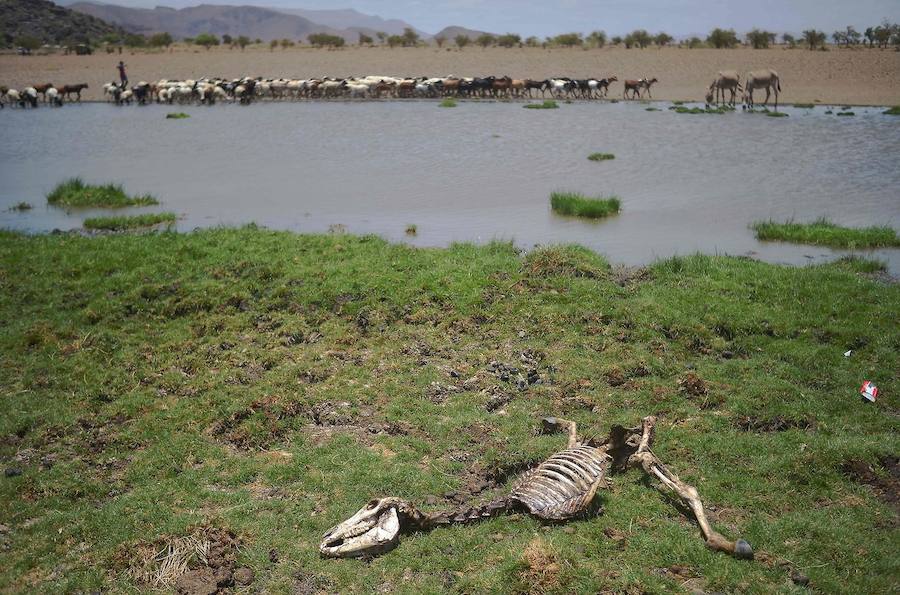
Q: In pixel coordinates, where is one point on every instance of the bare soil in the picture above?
(838, 76)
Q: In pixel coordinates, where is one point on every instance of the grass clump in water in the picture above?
(601, 156)
(894, 111)
(846, 113)
(22, 206)
(75, 193)
(411, 229)
(825, 233)
(652, 109)
(448, 102)
(129, 221)
(177, 116)
(548, 104)
(573, 203)
(804, 105)
(700, 110)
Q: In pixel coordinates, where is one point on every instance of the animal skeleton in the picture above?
(560, 488)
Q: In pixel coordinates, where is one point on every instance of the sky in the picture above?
(549, 17)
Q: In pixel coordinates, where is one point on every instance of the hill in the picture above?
(452, 31)
(252, 21)
(48, 22)
(352, 20)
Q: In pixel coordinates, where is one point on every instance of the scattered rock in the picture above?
(243, 576)
(12, 472)
(799, 578)
(693, 385)
(4, 529)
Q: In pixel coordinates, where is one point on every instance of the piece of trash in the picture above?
(869, 391)
(848, 352)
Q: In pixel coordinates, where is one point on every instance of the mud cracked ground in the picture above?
(193, 411)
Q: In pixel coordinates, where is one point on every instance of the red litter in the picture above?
(869, 391)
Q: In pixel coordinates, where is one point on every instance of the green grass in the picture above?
(805, 105)
(846, 113)
(776, 114)
(75, 193)
(448, 102)
(129, 221)
(894, 111)
(154, 383)
(652, 109)
(826, 233)
(21, 206)
(828, 112)
(677, 103)
(547, 104)
(177, 116)
(699, 110)
(573, 203)
(412, 229)
(601, 156)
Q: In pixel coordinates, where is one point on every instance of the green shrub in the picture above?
(75, 193)
(573, 203)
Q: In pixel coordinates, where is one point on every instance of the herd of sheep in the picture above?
(246, 90)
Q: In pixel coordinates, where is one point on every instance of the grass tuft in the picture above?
(776, 114)
(411, 229)
(805, 105)
(601, 156)
(846, 113)
(573, 203)
(724, 109)
(548, 104)
(652, 109)
(177, 116)
(825, 233)
(129, 221)
(448, 102)
(22, 206)
(894, 111)
(75, 193)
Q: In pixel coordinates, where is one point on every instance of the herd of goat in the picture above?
(246, 90)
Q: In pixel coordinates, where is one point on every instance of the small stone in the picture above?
(569, 530)
(799, 578)
(431, 500)
(243, 576)
(12, 471)
(4, 529)
(727, 354)
(273, 556)
(498, 537)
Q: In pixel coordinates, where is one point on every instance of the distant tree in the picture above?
(617, 40)
(382, 36)
(533, 42)
(639, 38)
(274, 44)
(884, 33)
(814, 39)
(694, 43)
(485, 40)
(207, 40)
(663, 39)
(722, 38)
(410, 37)
(394, 40)
(257, 41)
(440, 40)
(365, 39)
(326, 40)
(597, 39)
(789, 39)
(839, 37)
(227, 39)
(135, 40)
(242, 42)
(870, 36)
(29, 42)
(462, 41)
(758, 39)
(509, 40)
(853, 36)
(567, 40)
(112, 38)
(287, 43)
(159, 40)
(188, 40)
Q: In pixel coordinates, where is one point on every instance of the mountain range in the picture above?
(47, 22)
(254, 22)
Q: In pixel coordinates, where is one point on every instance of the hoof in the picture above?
(743, 550)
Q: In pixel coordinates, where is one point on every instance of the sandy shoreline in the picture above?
(852, 77)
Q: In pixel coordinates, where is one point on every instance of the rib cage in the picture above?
(564, 485)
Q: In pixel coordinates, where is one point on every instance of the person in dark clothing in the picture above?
(122, 75)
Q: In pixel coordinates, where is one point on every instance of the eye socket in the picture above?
(372, 504)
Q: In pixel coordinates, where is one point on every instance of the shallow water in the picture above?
(477, 172)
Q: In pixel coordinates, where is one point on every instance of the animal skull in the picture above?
(373, 530)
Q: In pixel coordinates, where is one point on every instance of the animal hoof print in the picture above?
(743, 550)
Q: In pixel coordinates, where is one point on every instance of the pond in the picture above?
(477, 172)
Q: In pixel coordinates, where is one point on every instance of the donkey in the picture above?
(637, 88)
(762, 79)
(727, 80)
